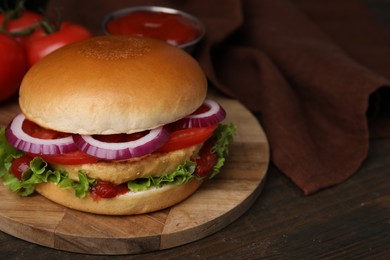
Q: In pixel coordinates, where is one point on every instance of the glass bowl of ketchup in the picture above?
(176, 27)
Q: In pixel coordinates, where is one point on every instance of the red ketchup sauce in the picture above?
(172, 28)
(105, 189)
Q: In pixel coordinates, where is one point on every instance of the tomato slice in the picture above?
(37, 131)
(118, 138)
(187, 137)
(179, 139)
(72, 158)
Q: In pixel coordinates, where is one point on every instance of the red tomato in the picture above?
(118, 138)
(187, 137)
(72, 158)
(21, 22)
(20, 165)
(36, 131)
(39, 44)
(13, 65)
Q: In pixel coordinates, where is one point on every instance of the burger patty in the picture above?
(158, 164)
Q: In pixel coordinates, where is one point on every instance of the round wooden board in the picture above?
(216, 204)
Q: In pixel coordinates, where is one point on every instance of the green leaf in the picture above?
(81, 187)
(7, 153)
(181, 175)
(139, 184)
(223, 135)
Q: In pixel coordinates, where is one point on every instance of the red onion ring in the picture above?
(105, 150)
(214, 115)
(123, 150)
(16, 137)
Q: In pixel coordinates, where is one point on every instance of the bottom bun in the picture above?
(130, 203)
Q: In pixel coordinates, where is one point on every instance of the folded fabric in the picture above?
(305, 66)
(312, 95)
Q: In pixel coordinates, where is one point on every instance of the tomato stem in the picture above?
(12, 14)
(47, 27)
(7, 17)
(51, 27)
(26, 31)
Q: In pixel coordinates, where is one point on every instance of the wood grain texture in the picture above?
(215, 205)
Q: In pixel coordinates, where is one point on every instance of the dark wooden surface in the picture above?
(349, 221)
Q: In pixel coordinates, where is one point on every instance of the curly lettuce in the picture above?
(223, 135)
(182, 174)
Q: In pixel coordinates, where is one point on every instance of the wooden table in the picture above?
(349, 220)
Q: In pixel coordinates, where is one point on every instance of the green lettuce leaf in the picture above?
(223, 135)
(7, 153)
(182, 174)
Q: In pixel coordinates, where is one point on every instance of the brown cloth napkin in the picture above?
(308, 67)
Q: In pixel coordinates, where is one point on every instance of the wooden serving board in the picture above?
(215, 205)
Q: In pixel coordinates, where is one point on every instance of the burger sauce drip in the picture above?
(105, 189)
(206, 159)
(172, 28)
